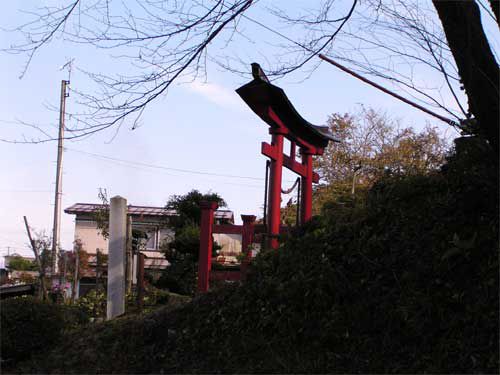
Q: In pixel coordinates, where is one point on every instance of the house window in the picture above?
(152, 241)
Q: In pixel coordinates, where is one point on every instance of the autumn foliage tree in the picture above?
(373, 145)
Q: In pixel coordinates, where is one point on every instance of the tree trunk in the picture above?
(476, 64)
(76, 276)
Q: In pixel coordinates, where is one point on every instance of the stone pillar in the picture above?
(205, 255)
(116, 257)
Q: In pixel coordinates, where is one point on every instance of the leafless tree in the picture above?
(404, 42)
(398, 41)
(162, 42)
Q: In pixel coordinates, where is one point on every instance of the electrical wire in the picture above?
(26, 191)
(141, 164)
(147, 167)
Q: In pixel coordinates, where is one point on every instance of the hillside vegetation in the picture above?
(404, 282)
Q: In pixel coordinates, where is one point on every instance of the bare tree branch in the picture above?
(166, 44)
(41, 36)
(400, 41)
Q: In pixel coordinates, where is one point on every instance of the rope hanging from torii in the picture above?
(288, 191)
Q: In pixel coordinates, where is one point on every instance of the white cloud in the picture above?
(216, 94)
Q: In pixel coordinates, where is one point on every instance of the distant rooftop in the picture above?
(16, 255)
(82, 208)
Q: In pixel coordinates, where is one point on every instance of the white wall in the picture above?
(91, 239)
(87, 232)
(231, 243)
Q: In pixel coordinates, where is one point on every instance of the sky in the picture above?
(201, 126)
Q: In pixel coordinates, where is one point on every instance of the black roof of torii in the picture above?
(260, 95)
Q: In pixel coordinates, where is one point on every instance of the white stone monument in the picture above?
(116, 257)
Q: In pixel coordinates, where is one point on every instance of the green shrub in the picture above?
(19, 263)
(29, 325)
(93, 303)
(180, 276)
(407, 282)
(153, 299)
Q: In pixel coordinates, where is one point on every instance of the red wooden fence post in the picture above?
(140, 280)
(205, 255)
(247, 240)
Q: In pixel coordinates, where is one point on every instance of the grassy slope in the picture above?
(406, 283)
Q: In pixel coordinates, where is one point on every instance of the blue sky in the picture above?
(199, 126)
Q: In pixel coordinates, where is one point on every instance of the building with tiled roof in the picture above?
(153, 221)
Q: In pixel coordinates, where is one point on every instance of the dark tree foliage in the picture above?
(187, 224)
(30, 326)
(188, 206)
(182, 253)
(18, 263)
(407, 283)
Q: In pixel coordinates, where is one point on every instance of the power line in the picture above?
(141, 164)
(278, 33)
(146, 167)
(7, 248)
(19, 122)
(26, 191)
(138, 165)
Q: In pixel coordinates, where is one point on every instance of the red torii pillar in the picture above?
(207, 228)
(247, 233)
(275, 152)
(278, 160)
(307, 180)
(205, 255)
(275, 179)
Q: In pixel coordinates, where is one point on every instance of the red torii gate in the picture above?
(271, 104)
(207, 228)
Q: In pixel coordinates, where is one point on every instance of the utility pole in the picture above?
(58, 191)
